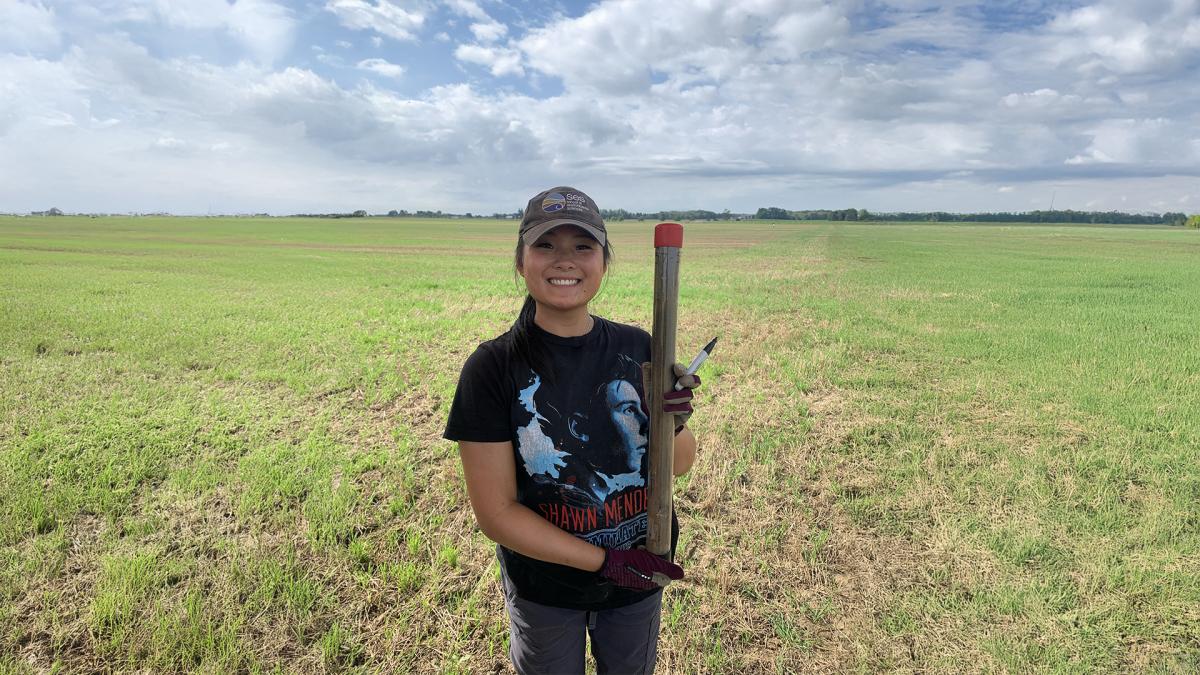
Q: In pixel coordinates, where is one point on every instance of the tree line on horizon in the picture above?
(1047, 216)
(777, 213)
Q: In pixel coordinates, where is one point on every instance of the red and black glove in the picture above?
(679, 402)
(638, 569)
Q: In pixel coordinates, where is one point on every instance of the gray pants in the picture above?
(550, 640)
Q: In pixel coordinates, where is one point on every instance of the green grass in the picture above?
(923, 447)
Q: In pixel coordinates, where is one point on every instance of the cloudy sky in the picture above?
(193, 106)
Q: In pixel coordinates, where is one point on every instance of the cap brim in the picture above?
(538, 230)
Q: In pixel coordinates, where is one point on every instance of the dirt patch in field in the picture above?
(415, 408)
(55, 603)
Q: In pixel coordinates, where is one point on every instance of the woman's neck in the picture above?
(563, 324)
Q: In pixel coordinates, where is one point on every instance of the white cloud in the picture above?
(265, 28)
(1125, 37)
(808, 30)
(281, 126)
(179, 147)
(196, 14)
(28, 27)
(468, 8)
(786, 85)
(1134, 97)
(500, 61)
(1039, 98)
(1046, 103)
(382, 67)
(615, 50)
(382, 16)
(168, 142)
(1138, 142)
(488, 32)
(37, 93)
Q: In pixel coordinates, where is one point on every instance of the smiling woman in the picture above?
(562, 271)
(552, 428)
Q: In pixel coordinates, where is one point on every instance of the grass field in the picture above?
(935, 448)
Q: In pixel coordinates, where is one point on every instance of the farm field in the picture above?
(936, 448)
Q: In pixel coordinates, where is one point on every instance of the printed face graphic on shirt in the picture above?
(630, 423)
(581, 447)
(603, 447)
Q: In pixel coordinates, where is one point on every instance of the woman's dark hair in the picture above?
(525, 342)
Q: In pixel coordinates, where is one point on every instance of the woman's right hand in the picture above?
(638, 569)
(679, 402)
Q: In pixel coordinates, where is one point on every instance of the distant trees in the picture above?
(616, 215)
(1055, 216)
(401, 213)
(842, 215)
(776, 213)
(356, 214)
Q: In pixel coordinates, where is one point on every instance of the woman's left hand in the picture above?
(679, 402)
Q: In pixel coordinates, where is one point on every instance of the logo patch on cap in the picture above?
(553, 202)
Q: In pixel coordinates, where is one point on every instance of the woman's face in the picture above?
(632, 427)
(563, 268)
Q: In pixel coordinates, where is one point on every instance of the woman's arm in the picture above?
(685, 451)
(492, 488)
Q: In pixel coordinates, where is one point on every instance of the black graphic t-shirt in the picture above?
(579, 437)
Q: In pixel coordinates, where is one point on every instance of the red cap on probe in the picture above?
(668, 234)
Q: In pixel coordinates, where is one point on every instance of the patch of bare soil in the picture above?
(55, 603)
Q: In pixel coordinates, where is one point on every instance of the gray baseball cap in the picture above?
(561, 206)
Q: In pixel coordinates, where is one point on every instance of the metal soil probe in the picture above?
(668, 240)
